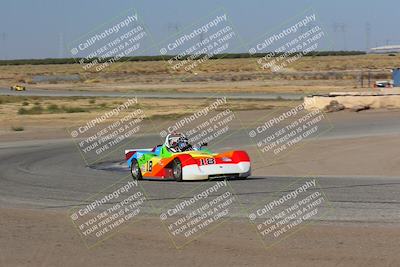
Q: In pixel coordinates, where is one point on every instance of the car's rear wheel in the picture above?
(177, 170)
(135, 170)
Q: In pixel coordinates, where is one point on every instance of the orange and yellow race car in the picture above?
(18, 88)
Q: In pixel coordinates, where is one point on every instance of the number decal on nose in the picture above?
(149, 165)
(207, 161)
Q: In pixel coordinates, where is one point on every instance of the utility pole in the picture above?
(367, 36)
(369, 78)
(61, 45)
(362, 79)
(3, 43)
(173, 26)
(342, 28)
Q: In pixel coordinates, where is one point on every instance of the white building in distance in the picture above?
(385, 49)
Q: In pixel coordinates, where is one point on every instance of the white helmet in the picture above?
(177, 142)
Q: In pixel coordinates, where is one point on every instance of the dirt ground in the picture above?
(51, 123)
(45, 237)
(48, 238)
(309, 75)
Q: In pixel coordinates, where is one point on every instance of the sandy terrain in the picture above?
(47, 238)
(51, 123)
(311, 74)
(362, 144)
(356, 161)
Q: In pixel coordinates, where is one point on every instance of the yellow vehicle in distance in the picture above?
(18, 88)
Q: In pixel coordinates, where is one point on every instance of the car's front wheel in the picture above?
(135, 170)
(177, 170)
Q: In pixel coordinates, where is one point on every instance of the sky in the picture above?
(47, 28)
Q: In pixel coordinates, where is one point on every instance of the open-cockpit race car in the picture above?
(178, 159)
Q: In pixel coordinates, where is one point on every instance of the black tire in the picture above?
(135, 170)
(177, 170)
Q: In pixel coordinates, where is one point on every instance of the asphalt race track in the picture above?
(172, 95)
(51, 175)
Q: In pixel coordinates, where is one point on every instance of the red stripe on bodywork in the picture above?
(235, 156)
(129, 154)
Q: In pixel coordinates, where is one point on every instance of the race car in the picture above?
(18, 88)
(178, 160)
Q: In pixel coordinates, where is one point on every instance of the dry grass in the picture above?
(148, 71)
(332, 73)
(307, 75)
(53, 113)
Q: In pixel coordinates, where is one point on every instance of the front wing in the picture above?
(196, 172)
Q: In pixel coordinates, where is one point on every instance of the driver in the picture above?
(177, 142)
